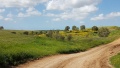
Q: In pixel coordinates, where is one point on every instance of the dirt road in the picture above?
(94, 58)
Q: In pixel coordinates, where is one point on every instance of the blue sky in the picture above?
(56, 14)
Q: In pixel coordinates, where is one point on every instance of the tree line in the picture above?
(102, 32)
(82, 27)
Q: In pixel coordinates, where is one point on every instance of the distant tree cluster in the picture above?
(102, 32)
(75, 28)
(1, 27)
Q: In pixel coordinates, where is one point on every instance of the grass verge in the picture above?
(115, 61)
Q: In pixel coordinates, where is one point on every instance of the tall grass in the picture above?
(19, 48)
(115, 61)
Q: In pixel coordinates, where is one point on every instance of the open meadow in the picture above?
(17, 46)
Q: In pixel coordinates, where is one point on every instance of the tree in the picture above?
(82, 27)
(67, 28)
(95, 28)
(103, 32)
(1, 27)
(74, 27)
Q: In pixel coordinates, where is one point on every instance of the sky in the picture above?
(56, 14)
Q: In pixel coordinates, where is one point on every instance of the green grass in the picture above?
(115, 61)
(19, 48)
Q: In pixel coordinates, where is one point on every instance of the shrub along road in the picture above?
(97, 57)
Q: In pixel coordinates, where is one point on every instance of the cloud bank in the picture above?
(107, 16)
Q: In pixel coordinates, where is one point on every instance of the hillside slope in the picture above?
(94, 58)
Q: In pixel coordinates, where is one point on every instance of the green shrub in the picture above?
(49, 34)
(26, 33)
(69, 37)
(13, 32)
(61, 37)
(103, 32)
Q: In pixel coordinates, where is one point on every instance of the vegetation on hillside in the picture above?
(20, 46)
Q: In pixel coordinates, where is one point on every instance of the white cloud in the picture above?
(75, 13)
(29, 12)
(32, 11)
(2, 10)
(113, 14)
(107, 16)
(72, 9)
(5, 19)
(69, 9)
(8, 19)
(20, 3)
(66, 4)
(99, 17)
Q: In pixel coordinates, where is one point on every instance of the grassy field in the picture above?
(19, 48)
(115, 61)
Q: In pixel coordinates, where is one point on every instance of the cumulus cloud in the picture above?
(75, 13)
(32, 11)
(66, 4)
(5, 19)
(29, 12)
(20, 3)
(64, 9)
(72, 9)
(107, 16)
(8, 19)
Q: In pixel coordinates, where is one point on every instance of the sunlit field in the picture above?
(17, 47)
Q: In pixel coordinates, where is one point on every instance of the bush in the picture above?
(61, 37)
(13, 32)
(103, 32)
(69, 37)
(26, 33)
(49, 34)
